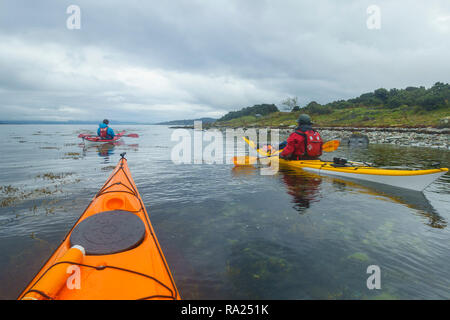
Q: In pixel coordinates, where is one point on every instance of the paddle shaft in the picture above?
(329, 146)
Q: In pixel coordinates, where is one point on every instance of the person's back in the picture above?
(304, 143)
(105, 131)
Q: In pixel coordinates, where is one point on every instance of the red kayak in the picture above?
(94, 139)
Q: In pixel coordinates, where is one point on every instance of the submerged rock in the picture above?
(360, 256)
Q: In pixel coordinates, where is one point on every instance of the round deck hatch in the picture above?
(108, 232)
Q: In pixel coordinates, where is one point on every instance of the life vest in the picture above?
(313, 143)
(104, 132)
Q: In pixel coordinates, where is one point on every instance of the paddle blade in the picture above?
(330, 146)
(250, 143)
(132, 135)
(244, 161)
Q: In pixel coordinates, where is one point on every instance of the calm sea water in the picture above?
(231, 233)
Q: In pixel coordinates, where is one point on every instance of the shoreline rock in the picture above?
(418, 137)
(429, 130)
(400, 138)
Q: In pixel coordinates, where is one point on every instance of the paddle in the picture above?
(131, 135)
(329, 146)
(121, 134)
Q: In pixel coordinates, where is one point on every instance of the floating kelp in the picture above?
(42, 192)
(8, 189)
(11, 196)
(53, 176)
(50, 148)
(72, 155)
(8, 201)
(40, 133)
(108, 168)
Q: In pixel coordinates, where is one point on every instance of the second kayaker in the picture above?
(105, 131)
(304, 143)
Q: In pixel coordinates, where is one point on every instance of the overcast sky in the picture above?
(151, 61)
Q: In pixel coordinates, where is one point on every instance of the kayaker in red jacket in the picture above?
(304, 143)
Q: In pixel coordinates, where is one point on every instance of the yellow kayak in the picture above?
(416, 180)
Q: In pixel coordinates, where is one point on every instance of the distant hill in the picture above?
(256, 110)
(187, 122)
(410, 107)
(64, 122)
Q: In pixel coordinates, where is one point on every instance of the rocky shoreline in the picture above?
(418, 137)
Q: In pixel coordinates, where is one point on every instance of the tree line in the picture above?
(436, 97)
(259, 109)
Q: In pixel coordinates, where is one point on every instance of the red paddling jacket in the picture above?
(297, 144)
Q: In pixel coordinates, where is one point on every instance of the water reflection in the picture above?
(412, 199)
(107, 150)
(244, 170)
(304, 187)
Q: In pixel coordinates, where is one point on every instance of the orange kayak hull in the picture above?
(140, 272)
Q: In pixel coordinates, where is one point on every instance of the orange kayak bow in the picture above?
(110, 253)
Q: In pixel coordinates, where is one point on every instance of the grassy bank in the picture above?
(403, 116)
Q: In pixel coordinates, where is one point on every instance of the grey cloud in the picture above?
(211, 56)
